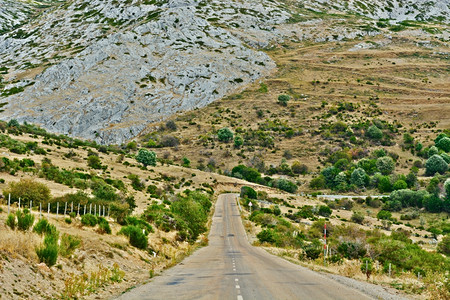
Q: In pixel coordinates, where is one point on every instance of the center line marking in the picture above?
(238, 287)
(239, 297)
(236, 279)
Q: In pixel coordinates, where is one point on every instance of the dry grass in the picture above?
(17, 244)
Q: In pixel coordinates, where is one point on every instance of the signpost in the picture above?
(250, 206)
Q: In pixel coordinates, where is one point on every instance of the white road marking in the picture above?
(238, 287)
(236, 279)
(239, 297)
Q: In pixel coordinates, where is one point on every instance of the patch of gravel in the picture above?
(373, 290)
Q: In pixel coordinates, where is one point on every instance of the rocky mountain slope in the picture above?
(104, 70)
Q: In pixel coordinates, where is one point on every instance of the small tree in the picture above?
(385, 165)
(324, 211)
(384, 215)
(444, 245)
(435, 164)
(367, 266)
(225, 134)
(283, 99)
(146, 157)
(27, 190)
(299, 168)
(171, 125)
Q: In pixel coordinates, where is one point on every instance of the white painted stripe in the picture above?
(236, 279)
(238, 287)
(239, 297)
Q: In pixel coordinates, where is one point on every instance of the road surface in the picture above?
(230, 268)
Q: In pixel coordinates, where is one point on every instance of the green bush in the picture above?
(89, 220)
(351, 250)
(285, 185)
(324, 211)
(248, 192)
(135, 235)
(225, 134)
(238, 141)
(444, 144)
(146, 157)
(444, 245)
(48, 251)
(68, 244)
(94, 162)
(11, 221)
(24, 219)
(44, 227)
(266, 236)
(374, 132)
(357, 217)
(313, 250)
(283, 99)
(384, 215)
(139, 223)
(435, 164)
(359, 177)
(385, 165)
(103, 225)
(367, 266)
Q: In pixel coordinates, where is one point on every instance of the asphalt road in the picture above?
(230, 268)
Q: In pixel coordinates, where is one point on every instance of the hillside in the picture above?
(125, 65)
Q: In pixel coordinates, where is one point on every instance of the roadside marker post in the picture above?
(57, 209)
(65, 209)
(9, 202)
(40, 210)
(78, 210)
(71, 207)
(250, 207)
(19, 203)
(48, 211)
(31, 204)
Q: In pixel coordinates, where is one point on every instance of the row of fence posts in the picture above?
(99, 210)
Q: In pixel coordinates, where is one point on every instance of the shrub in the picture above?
(238, 141)
(103, 226)
(359, 177)
(298, 168)
(139, 223)
(313, 249)
(48, 251)
(44, 227)
(225, 134)
(193, 214)
(186, 162)
(27, 190)
(135, 236)
(351, 250)
(400, 185)
(385, 165)
(357, 217)
(248, 192)
(68, 244)
(374, 133)
(146, 157)
(169, 141)
(444, 245)
(435, 164)
(367, 266)
(136, 183)
(432, 151)
(384, 215)
(283, 99)
(11, 221)
(266, 236)
(89, 220)
(24, 219)
(285, 185)
(444, 144)
(94, 162)
(324, 211)
(171, 125)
